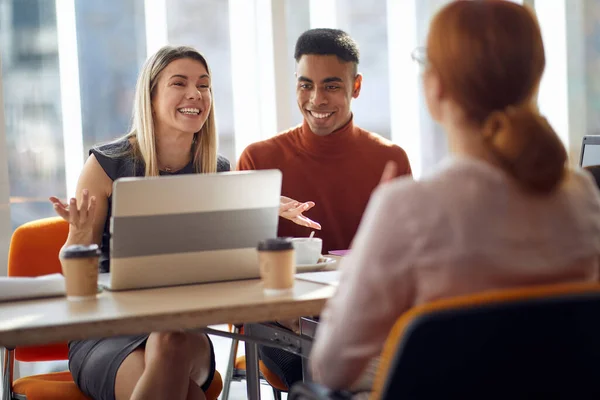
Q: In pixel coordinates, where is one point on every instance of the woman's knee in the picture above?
(200, 342)
(168, 348)
(176, 347)
(201, 359)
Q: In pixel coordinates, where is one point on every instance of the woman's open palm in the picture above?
(80, 218)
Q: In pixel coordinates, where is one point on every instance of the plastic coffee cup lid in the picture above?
(276, 244)
(80, 251)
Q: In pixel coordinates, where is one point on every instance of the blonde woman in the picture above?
(173, 133)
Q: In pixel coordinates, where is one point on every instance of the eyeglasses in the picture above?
(419, 55)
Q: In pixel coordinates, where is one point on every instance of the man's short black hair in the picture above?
(325, 41)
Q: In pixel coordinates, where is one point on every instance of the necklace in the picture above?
(167, 168)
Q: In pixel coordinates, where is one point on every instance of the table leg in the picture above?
(306, 376)
(252, 372)
(5, 372)
(308, 328)
(267, 335)
(230, 365)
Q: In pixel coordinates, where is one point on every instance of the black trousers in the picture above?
(287, 366)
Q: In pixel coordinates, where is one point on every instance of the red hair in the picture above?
(490, 58)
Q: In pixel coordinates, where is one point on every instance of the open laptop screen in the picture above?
(590, 151)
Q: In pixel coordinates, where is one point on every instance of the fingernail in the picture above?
(85, 191)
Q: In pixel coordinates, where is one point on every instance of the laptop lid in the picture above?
(192, 228)
(590, 151)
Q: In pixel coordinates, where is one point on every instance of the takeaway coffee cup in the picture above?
(277, 265)
(80, 269)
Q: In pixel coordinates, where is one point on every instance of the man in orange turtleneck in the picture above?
(327, 159)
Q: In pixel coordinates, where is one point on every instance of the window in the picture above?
(297, 22)
(111, 49)
(32, 107)
(592, 66)
(204, 25)
(65, 91)
(366, 22)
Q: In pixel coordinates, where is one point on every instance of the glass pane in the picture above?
(366, 22)
(204, 24)
(30, 73)
(297, 22)
(111, 45)
(434, 146)
(592, 65)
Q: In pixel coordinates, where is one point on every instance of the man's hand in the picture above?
(390, 171)
(292, 210)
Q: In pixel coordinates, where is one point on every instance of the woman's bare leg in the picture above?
(129, 374)
(200, 367)
(194, 392)
(201, 358)
(165, 369)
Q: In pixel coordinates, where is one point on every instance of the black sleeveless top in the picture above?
(125, 166)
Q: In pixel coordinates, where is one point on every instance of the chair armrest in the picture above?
(314, 391)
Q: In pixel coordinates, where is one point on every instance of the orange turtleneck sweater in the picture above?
(338, 172)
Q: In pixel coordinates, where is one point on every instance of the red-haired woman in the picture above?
(502, 211)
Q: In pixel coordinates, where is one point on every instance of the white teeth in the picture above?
(194, 111)
(320, 115)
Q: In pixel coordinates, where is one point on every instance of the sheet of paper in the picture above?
(16, 288)
(339, 253)
(325, 277)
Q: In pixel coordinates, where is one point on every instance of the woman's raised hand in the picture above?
(80, 218)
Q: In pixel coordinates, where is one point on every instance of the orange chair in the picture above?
(529, 342)
(236, 370)
(34, 249)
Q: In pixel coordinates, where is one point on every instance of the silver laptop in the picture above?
(188, 229)
(590, 151)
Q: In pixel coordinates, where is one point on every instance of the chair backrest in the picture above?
(33, 251)
(519, 343)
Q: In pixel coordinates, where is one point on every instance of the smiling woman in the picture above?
(173, 133)
(177, 77)
(182, 102)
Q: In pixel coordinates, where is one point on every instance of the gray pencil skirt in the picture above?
(94, 363)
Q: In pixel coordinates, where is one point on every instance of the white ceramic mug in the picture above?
(308, 250)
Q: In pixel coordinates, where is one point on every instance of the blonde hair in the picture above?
(142, 136)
